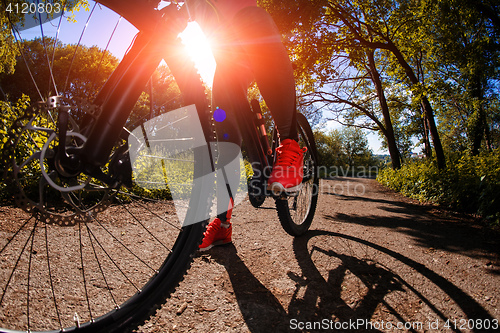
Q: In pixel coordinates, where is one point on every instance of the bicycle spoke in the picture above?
(15, 234)
(124, 246)
(16, 33)
(56, 38)
(78, 45)
(106, 49)
(116, 264)
(49, 271)
(82, 235)
(297, 211)
(29, 276)
(147, 230)
(158, 216)
(83, 273)
(54, 122)
(91, 235)
(15, 267)
(51, 73)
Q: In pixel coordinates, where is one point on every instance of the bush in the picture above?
(469, 184)
(8, 114)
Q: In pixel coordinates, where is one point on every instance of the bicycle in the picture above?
(72, 174)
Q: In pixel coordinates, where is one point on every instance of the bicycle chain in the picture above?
(20, 199)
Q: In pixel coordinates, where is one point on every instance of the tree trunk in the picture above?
(476, 131)
(427, 142)
(429, 114)
(389, 130)
(389, 45)
(477, 124)
(426, 106)
(487, 135)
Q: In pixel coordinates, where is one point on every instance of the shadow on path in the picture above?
(317, 299)
(260, 309)
(379, 280)
(429, 228)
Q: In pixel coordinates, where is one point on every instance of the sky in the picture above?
(101, 26)
(103, 23)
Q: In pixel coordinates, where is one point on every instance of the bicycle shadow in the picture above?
(318, 297)
(385, 282)
(326, 292)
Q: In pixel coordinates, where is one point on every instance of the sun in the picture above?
(200, 51)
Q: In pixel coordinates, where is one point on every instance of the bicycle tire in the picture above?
(108, 272)
(256, 200)
(296, 212)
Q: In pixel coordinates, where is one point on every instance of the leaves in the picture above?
(343, 148)
(436, 61)
(470, 183)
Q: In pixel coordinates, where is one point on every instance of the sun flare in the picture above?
(199, 49)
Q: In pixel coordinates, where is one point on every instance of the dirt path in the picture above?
(373, 261)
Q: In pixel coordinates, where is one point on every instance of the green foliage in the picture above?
(78, 73)
(344, 153)
(469, 184)
(8, 47)
(438, 57)
(8, 50)
(90, 69)
(329, 148)
(355, 147)
(8, 113)
(82, 76)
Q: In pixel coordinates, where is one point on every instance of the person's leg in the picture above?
(228, 94)
(260, 40)
(268, 59)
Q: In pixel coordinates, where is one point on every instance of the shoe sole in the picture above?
(278, 189)
(217, 243)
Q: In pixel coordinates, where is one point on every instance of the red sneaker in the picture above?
(288, 169)
(217, 233)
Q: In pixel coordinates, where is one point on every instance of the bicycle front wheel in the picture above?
(79, 253)
(296, 211)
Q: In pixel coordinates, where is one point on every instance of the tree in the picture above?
(10, 19)
(78, 73)
(344, 90)
(161, 95)
(347, 147)
(329, 148)
(439, 67)
(466, 39)
(355, 147)
(381, 25)
(8, 51)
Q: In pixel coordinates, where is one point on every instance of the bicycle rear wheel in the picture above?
(296, 212)
(79, 254)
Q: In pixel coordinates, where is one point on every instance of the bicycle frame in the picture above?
(260, 153)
